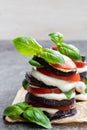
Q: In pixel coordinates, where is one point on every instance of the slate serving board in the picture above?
(13, 67)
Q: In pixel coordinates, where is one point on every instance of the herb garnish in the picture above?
(28, 113)
(68, 94)
(66, 49)
(30, 47)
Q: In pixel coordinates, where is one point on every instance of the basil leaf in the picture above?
(86, 81)
(13, 111)
(70, 51)
(27, 46)
(68, 94)
(56, 37)
(86, 90)
(66, 49)
(35, 63)
(23, 105)
(28, 112)
(52, 56)
(25, 84)
(35, 115)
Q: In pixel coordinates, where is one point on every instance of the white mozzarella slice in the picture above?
(63, 85)
(81, 97)
(49, 110)
(80, 70)
(55, 96)
(80, 87)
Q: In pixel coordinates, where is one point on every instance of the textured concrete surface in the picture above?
(37, 18)
(13, 67)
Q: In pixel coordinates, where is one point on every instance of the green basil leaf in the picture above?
(56, 37)
(35, 63)
(27, 46)
(70, 51)
(66, 49)
(23, 105)
(68, 94)
(86, 90)
(35, 115)
(52, 56)
(13, 110)
(25, 84)
(86, 81)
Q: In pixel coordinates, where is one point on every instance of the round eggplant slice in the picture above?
(33, 81)
(61, 114)
(49, 67)
(48, 102)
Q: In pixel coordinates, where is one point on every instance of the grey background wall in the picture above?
(37, 18)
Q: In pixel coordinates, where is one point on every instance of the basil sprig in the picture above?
(30, 47)
(66, 49)
(27, 113)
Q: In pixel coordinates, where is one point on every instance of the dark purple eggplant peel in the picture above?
(49, 67)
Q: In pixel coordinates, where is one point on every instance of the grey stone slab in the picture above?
(13, 67)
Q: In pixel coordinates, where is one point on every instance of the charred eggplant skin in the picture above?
(33, 81)
(61, 114)
(48, 103)
(49, 67)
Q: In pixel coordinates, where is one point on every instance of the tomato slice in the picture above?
(71, 78)
(54, 47)
(43, 90)
(69, 64)
(80, 64)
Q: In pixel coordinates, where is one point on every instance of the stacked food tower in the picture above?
(54, 79)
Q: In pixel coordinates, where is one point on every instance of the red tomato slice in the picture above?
(43, 90)
(80, 64)
(69, 64)
(72, 78)
(54, 47)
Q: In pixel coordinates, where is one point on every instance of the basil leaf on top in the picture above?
(66, 49)
(30, 47)
(35, 115)
(27, 46)
(56, 37)
(52, 56)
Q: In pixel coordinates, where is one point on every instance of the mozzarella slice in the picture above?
(81, 97)
(63, 85)
(80, 70)
(49, 110)
(55, 96)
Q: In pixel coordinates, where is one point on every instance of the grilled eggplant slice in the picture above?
(49, 67)
(50, 103)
